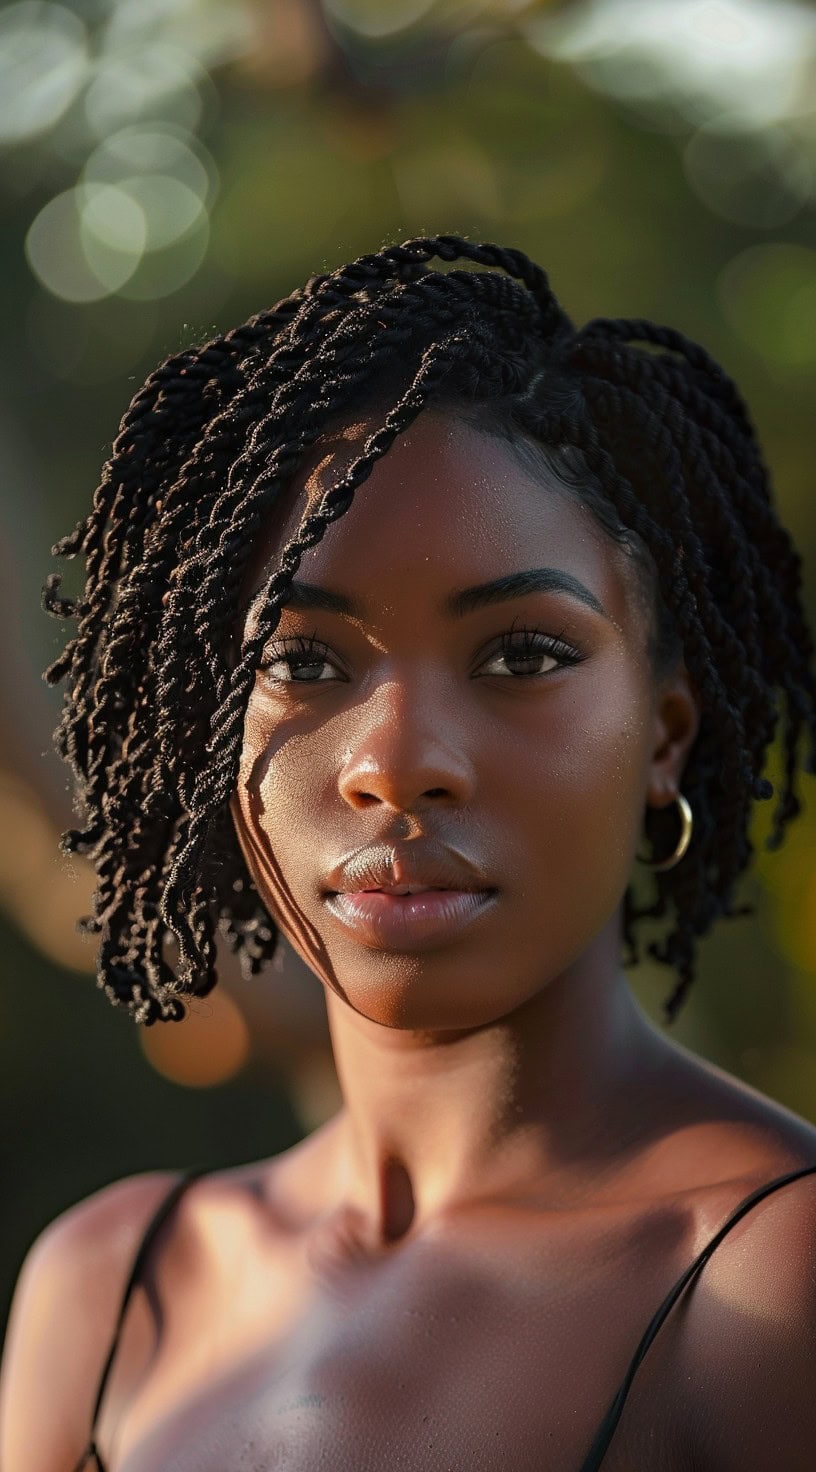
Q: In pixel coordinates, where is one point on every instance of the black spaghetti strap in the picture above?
(601, 1442)
(156, 1221)
(600, 1445)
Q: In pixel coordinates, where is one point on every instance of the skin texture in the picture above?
(506, 1052)
(454, 1272)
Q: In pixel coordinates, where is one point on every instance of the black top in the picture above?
(606, 1430)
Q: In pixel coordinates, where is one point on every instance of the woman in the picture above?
(556, 609)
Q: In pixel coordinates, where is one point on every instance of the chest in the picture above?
(444, 1355)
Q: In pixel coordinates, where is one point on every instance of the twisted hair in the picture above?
(655, 438)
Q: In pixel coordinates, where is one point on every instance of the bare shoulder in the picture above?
(752, 1333)
(715, 1129)
(747, 1332)
(62, 1320)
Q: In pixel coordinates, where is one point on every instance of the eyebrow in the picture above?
(466, 600)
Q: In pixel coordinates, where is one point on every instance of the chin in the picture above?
(424, 1002)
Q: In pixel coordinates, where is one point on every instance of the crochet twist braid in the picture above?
(153, 716)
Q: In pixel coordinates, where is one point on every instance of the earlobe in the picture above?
(677, 722)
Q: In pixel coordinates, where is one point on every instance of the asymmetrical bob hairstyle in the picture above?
(633, 418)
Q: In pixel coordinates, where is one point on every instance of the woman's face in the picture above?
(512, 740)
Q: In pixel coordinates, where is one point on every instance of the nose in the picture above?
(409, 749)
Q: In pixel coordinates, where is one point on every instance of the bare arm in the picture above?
(62, 1321)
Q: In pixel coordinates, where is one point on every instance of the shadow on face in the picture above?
(463, 664)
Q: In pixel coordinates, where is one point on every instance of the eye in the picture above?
(305, 661)
(297, 661)
(524, 650)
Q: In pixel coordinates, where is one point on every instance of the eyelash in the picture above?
(299, 652)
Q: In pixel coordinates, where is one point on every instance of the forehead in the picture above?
(447, 504)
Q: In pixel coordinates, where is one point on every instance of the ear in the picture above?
(677, 716)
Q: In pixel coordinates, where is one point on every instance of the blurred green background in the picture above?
(168, 167)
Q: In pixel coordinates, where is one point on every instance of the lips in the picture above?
(409, 922)
(408, 897)
(401, 889)
(394, 868)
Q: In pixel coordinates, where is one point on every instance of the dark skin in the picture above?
(418, 726)
(455, 1271)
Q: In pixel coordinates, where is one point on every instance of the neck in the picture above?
(549, 1098)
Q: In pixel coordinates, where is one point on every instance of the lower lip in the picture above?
(406, 922)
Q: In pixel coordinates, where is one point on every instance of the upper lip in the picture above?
(397, 867)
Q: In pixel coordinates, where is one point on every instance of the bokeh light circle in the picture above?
(43, 64)
(760, 179)
(374, 19)
(208, 1047)
(149, 81)
(152, 149)
(110, 218)
(170, 209)
(86, 242)
(161, 272)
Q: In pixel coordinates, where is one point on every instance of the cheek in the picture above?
(566, 800)
(277, 820)
(282, 801)
(574, 777)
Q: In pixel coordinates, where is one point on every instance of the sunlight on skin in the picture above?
(521, 1031)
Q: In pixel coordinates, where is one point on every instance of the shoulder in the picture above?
(62, 1320)
(739, 1353)
(751, 1326)
(712, 1132)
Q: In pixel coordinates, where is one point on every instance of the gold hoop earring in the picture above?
(683, 841)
